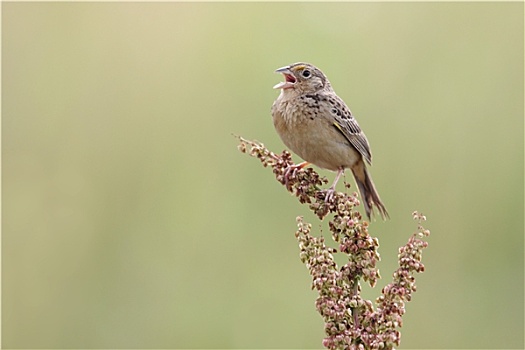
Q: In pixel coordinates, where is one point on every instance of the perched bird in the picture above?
(317, 125)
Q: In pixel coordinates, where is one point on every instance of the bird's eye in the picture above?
(306, 73)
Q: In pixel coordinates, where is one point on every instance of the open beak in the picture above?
(289, 79)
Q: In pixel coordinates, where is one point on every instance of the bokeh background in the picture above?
(130, 220)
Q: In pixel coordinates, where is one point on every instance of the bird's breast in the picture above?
(309, 133)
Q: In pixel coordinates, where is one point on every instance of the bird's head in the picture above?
(300, 78)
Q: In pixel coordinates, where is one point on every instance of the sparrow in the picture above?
(317, 125)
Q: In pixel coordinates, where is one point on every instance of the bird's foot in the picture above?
(328, 194)
(291, 171)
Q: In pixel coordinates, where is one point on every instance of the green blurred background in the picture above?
(130, 220)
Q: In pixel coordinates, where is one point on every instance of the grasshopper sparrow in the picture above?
(317, 125)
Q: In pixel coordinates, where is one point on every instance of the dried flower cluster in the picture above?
(350, 321)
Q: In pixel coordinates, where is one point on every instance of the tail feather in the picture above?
(368, 192)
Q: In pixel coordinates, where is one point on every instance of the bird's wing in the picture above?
(345, 122)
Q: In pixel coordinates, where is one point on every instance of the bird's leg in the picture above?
(291, 170)
(330, 192)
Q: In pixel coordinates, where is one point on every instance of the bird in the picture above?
(316, 124)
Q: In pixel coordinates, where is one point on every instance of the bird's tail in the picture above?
(368, 191)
